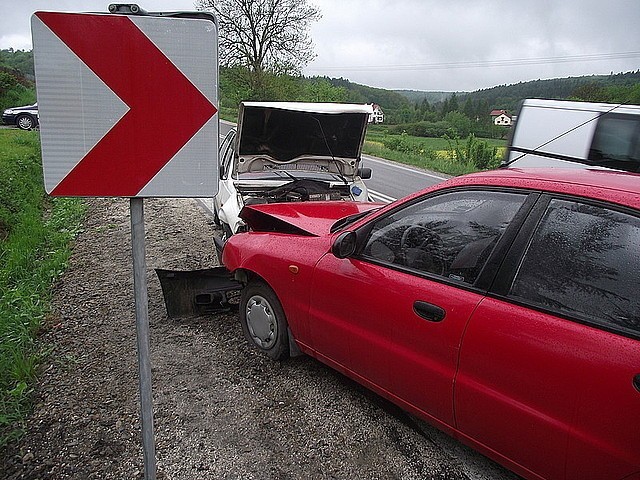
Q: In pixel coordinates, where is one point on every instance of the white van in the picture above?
(553, 133)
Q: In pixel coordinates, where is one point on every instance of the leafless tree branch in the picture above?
(264, 35)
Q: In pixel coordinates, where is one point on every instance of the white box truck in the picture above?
(554, 133)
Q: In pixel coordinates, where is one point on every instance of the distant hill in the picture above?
(400, 106)
(417, 96)
(357, 93)
(507, 97)
(425, 113)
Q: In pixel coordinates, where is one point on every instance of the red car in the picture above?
(503, 307)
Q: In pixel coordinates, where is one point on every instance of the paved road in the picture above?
(390, 181)
(225, 127)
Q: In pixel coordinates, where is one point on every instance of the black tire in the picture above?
(25, 122)
(216, 218)
(263, 321)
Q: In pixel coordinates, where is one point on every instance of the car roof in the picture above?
(612, 186)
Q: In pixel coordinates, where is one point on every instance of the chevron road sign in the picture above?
(128, 104)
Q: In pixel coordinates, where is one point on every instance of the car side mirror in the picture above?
(364, 173)
(345, 245)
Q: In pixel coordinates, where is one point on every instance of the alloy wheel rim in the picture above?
(24, 122)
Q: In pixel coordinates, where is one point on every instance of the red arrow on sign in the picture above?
(149, 134)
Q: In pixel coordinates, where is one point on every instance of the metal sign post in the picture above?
(142, 332)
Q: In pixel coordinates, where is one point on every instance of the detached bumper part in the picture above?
(198, 292)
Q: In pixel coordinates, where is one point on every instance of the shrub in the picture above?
(476, 152)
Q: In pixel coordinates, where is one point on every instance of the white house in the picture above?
(378, 115)
(502, 118)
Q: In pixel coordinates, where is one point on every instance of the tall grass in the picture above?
(35, 234)
(437, 154)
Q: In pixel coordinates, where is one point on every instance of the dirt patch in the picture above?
(222, 410)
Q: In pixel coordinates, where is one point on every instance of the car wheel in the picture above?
(216, 218)
(25, 122)
(263, 320)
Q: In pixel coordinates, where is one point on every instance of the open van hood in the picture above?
(314, 137)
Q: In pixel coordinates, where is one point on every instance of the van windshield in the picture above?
(616, 143)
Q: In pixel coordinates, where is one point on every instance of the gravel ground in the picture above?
(221, 409)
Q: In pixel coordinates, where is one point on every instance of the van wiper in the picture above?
(621, 162)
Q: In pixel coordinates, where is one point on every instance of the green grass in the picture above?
(437, 164)
(35, 236)
(437, 154)
(228, 114)
(427, 143)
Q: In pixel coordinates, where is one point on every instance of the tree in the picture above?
(589, 92)
(321, 90)
(469, 108)
(449, 104)
(460, 123)
(20, 60)
(263, 35)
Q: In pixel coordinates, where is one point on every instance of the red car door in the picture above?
(512, 394)
(393, 316)
(376, 331)
(548, 368)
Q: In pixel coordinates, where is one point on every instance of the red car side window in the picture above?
(450, 235)
(584, 260)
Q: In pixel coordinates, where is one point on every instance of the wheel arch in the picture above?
(244, 276)
(229, 213)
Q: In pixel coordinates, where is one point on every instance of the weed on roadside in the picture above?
(35, 237)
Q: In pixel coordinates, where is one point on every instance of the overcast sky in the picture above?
(456, 45)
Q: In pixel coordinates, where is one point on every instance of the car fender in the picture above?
(288, 271)
(229, 213)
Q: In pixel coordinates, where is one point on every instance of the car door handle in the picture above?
(428, 311)
(636, 382)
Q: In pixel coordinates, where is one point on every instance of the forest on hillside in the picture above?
(18, 60)
(596, 88)
(16, 78)
(430, 114)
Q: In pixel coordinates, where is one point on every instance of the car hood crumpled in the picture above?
(301, 218)
(315, 137)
